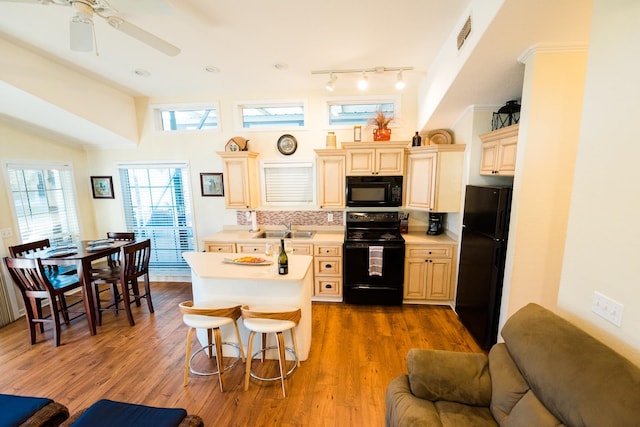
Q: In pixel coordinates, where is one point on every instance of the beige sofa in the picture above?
(546, 373)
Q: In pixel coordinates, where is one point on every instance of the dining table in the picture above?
(82, 255)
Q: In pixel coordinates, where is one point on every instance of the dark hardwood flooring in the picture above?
(355, 352)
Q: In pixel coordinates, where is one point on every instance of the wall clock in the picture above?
(287, 144)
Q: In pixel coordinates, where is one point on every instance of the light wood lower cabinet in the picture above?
(428, 273)
(222, 247)
(251, 248)
(327, 268)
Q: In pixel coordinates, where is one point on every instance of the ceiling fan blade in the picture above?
(142, 35)
(28, 1)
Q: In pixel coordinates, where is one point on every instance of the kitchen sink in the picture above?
(285, 235)
(300, 234)
(271, 235)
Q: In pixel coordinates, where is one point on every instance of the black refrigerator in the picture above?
(482, 255)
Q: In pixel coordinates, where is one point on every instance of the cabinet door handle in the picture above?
(327, 266)
(328, 286)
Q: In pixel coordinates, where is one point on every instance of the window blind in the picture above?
(288, 183)
(44, 202)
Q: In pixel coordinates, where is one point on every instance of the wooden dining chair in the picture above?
(31, 248)
(113, 262)
(134, 259)
(35, 286)
(111, 266)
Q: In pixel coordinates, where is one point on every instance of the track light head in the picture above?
(363, 83)
(331, 84)
(400, 83)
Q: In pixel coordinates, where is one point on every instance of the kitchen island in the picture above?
(212, 279)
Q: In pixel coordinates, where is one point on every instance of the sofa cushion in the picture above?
(107, 413)
(578, 379)
(448, 375)
(406, 410)
(453, 414)
(14, 410)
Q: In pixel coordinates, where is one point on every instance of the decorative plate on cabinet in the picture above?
(440, 136)
(287, 144)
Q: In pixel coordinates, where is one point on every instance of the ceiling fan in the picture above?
(82, 37)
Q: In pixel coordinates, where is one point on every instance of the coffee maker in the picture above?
(436, 223)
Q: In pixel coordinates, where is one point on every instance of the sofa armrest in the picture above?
(452, 376)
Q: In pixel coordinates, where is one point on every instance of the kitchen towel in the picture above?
(375, 260)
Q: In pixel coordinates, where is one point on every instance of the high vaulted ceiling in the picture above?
(246, 40)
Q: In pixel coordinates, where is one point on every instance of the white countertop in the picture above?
(335, 237)
(212, 265)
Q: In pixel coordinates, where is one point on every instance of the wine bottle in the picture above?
(417, 139)
(283, 260)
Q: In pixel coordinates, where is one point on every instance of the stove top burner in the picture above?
(373, 235)
(373, 227)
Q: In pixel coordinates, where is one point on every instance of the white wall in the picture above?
(603, 240)
(199, 149)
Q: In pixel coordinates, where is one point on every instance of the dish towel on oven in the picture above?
(375, 260)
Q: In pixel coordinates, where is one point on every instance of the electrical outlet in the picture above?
(330, 217)
(247, 215)
(607, 308)
(6, 233)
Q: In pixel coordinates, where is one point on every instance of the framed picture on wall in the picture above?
(211, 184)
(102, 187)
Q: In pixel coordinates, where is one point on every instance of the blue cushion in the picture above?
(63, 280)
(14, 410)
(107, 413)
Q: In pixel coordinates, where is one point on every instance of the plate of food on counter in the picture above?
(247, 260)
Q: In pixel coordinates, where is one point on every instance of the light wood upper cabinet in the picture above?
(241, 190)
(434, 177)
(375, 158)
(330, 170)
(499, 149)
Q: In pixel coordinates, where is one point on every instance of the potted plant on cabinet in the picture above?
(381, 121)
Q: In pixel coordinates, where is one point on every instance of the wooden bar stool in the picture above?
(271, 319)
(212, 318)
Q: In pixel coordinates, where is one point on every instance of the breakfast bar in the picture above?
(215, 278)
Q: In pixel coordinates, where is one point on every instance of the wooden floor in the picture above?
(355, 352)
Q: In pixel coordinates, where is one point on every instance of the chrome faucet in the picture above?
(288, 225)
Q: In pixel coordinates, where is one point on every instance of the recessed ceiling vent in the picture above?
(464, 33)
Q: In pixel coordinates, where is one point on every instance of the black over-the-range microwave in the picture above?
(374, 191)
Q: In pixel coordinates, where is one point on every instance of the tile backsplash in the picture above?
(279, 218)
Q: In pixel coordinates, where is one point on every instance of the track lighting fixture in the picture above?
(363, 82)
(400, 83)
(331, 84)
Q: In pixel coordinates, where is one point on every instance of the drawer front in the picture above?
(248, 248)
(298, 249)
(328, 287)
(416, 251)
(328, 250)
(328, 266)
(220, 247)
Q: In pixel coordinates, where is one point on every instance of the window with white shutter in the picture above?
(44, 202)
(288, 183)
(157, 206)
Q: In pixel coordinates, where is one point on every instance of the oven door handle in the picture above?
(363, 245)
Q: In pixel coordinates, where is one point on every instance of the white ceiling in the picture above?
(245, 39)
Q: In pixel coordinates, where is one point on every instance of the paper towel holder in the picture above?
(254, 224)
